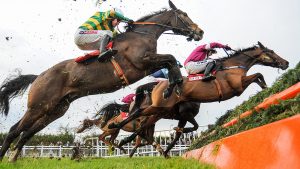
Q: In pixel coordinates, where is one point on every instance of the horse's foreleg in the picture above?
(191, 129)
(112, 141)
(158, 61)
(127, 139)
(181, 124)
(102, 138)
(257, 78)
(138, 143)
(124, 122)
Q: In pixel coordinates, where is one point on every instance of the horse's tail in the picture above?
(140, 92)
(87, 123)
(12, 88)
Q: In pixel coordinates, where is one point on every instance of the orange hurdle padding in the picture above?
(288, 93)
(275, 145)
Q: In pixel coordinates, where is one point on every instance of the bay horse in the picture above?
(183, 112)
(53, 90)
(231, 80)
(112, 113)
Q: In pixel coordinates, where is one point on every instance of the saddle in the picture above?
(195, 77)
(92, 56)
(199, 76)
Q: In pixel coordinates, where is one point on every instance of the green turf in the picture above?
(105, 163)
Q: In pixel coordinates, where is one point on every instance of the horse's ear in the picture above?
(260, 45)
(172, 5)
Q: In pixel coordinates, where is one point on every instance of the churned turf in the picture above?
(105, 163)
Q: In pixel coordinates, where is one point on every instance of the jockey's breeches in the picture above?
(197, 67)
(90, 39)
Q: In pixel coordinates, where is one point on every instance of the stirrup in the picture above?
(106, 55)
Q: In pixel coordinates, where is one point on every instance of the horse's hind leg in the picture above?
(39, 123)
(26, 122)
(12, 134)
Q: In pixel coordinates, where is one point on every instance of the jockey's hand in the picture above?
(227, 47)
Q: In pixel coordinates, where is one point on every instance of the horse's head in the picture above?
(268, 57)
(183, 25)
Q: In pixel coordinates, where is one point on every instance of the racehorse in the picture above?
(183, 112)
(112, 113)
(53, 90)
(231, 80)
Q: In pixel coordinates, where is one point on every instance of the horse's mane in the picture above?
(238, 52)
(111, 110)
(144, 18)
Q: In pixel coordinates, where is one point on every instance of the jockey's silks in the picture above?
(102, 21)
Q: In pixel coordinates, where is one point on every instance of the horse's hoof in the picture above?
(124, 151)
(166, 156)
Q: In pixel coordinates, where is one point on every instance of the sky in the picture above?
(35, 35)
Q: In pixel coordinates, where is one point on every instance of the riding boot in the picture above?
(175, 80)
(105, 54)
(207, 73)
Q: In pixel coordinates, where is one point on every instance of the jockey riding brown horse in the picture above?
(183, 112)
(231, 80)
(53, 90)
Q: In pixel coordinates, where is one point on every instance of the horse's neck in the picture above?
(241, 59)
(155, 29)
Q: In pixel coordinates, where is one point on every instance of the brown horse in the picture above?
(231, 80)
(110, 113)
(53, 90)
(183, 112)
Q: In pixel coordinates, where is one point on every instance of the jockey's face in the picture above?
(115, 22)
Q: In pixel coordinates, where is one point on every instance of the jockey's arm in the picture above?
(214, 45)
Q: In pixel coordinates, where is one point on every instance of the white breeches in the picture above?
(90, 39)
(197, 67)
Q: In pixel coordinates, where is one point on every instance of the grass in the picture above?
(106, 163)
(283, 110)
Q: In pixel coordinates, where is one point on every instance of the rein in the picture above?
(162, 25)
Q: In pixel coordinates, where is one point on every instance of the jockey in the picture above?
(98, 30)
(129, 98)
(199, 60)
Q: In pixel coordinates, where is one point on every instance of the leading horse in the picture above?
(53, 90)
(231, 80)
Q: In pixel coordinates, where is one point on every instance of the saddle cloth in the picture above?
(124, 115)
(92, 55)
(194, 77)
